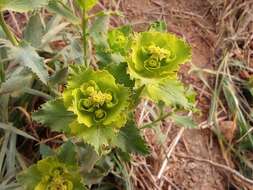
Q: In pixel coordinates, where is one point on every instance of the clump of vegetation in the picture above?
(87, 92)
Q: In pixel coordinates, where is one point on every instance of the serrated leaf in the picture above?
(52, 32)
(21, 5)
(87, 4)
(28, 57)
(34, 31)
(129, 140)
(119, 71)
(170, 91)
(15, 84)
(54, 115)
(183, 121)
(98, 31)
(59, 8)
(99, 137)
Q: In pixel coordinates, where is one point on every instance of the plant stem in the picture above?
(7, 31)
(84, 27)
(149, 125)
(2, 77)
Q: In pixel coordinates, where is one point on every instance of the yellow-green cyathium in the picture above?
(156, 56)
(99, 104)
(51, 174)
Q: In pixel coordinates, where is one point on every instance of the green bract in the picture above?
(119, 39)
(157, 55)
(99, 104)
(51, 174)
(95, 98)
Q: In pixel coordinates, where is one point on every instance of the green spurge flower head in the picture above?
(119, 39)
(95, 98)
(99, 104)
(157, 55)
(51, 174)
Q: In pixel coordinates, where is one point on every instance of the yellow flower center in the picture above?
(152, 63)
(95, 100)
(157, 56)
(55, 181)
(120, 39)
(59, 183)
(100, 114)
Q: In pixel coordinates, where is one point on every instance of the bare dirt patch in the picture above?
(194, 20)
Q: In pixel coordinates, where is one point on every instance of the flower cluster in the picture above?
(51, 174)
(157, 55)
(119, 40)
(96, 99)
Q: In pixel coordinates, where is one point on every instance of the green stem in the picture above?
(161, 118)
(7, 31)
(84, 28)
(2, 77)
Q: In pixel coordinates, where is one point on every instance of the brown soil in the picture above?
(193, 20)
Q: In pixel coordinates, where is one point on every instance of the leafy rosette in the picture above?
(51, 174)
(93, 107)
(157, 55)
(154, 63)
(99, 103)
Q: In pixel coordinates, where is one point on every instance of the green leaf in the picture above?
(158, 26)
(46, 151)
(28, 57)
(100, 170)
(98, 31)
(170, 91)
(54, 115)
(129, 140)
(59, 77)
(34, 31)
(21, 5)
(184, 121)
(67, 153)
(30, 177)
(87, 4)
(87, 156)
(100, 137)
(119, 71)
(60, 8)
